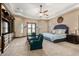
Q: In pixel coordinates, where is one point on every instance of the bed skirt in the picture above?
(55, 41)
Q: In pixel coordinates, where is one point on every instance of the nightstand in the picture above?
(72, 38)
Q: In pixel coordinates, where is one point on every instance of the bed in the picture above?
(57, 37)
(52, 37)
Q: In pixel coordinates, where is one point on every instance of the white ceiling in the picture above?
(31, 10)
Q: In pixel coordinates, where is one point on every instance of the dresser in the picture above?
(72, 38)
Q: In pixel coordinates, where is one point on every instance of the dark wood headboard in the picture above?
(62, 26)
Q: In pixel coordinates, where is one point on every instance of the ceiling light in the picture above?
(41, 14)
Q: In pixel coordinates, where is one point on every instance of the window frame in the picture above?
(8, 28)
(31, 27)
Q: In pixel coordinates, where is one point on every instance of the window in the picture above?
(5, 27)
(22, 27)
(31, 28)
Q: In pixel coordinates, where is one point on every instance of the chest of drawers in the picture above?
(73, 38)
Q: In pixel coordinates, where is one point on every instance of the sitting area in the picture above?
(35, 41)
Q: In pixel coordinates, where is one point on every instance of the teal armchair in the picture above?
(36, 42)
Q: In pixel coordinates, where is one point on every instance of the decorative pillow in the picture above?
(60, 31)
(53, 31)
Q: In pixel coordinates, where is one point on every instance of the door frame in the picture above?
(31, 27)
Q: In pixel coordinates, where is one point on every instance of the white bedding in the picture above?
(53, 37)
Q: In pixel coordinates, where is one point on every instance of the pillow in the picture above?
(53, 31)
(60, 31)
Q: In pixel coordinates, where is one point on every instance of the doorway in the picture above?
(31, 28)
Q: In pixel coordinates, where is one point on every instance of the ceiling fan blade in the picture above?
(46, 14)
(45, 11)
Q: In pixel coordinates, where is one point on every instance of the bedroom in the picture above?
(69, 13)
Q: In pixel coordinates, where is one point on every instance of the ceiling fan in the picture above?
(45, 12)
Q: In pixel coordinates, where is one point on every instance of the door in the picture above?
(31, 28)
